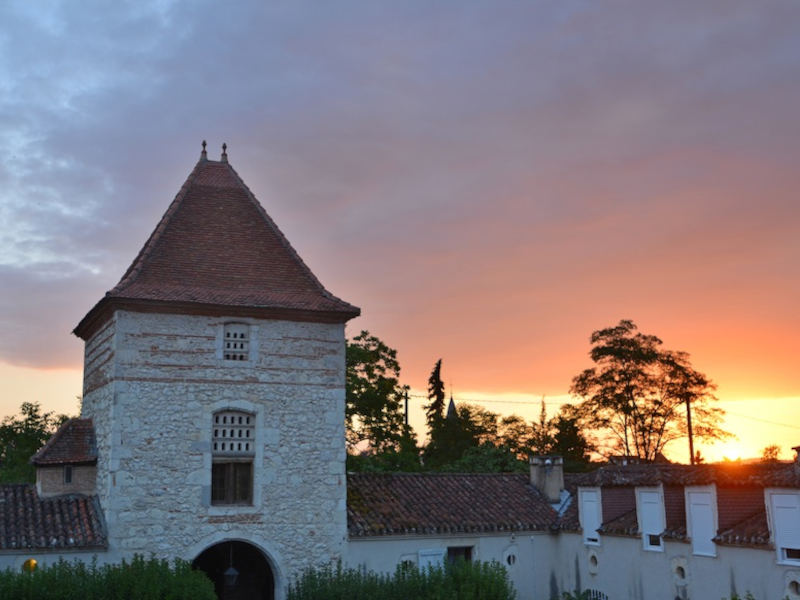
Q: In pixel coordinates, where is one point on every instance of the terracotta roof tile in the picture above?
(443, 503)
(73, 443)
(64, 522)
(752, 531)
(216, 246)
(625, 524)
(731, 475)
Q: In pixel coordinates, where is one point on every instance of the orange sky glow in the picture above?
(490, 184)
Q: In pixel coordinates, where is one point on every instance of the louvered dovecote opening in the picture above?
(233, 434)
(236, 341)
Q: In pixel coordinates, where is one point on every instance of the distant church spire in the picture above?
(224, 157)
(451, 409)
(204, 154)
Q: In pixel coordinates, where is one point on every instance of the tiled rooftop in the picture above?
(73, 443)
(728, 475)
(216, 247)
(752, 531)
(65, 522)
(443, 503)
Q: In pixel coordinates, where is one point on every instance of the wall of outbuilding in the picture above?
(624, 570)
(531, 552)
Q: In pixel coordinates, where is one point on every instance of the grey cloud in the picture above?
(405, 136)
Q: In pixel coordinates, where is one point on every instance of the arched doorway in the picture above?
(239, 570)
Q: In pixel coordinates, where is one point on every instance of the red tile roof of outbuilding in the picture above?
(73, 443)
(444, 503)
(64, 522)
(216, 249)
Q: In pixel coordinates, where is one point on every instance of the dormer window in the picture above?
(236, 341)
(232, 451)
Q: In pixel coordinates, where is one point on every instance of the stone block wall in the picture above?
(50, 480)
(98, 400)
(168, 379)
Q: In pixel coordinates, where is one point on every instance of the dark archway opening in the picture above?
(253, 576)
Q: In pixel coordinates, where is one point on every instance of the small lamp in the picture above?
(29, 566)
(231, 574)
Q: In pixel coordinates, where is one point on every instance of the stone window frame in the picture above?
(251, 340)
(257, 459)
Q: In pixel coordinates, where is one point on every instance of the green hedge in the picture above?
(457, 581)
(139, 579)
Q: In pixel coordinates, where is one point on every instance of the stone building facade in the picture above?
(214, 377)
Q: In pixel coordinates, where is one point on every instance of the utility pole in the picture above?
(689, 427)
(406, 407)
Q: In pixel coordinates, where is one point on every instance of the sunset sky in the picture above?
(489, 182)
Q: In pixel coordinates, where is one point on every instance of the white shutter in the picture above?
(651, 519)
(590, 518)
(433, 558)
(786, 521)
(701, 517)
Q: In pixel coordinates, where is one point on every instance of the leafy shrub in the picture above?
(139, 579)
(460, 580)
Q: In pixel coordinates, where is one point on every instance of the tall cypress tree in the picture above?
(434, 411)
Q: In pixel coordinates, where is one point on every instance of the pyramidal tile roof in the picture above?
(217, 251)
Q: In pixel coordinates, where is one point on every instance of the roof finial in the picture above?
(203, 154)
(224, 152)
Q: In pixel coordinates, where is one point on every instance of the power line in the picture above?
(767, 421)
(482, 400)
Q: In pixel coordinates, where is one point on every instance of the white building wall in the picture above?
(624, 570)
(163, 379)
(531, 553)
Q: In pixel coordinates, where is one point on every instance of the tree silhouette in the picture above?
(638, 393)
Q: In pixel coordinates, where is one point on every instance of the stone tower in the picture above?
(214, 376)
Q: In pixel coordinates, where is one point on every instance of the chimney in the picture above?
(547, 476)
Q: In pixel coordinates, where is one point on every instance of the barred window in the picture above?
(232, 450)
(236, 341)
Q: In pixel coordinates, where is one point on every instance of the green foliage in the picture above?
(21, 437)
(405, 459)
(486, 458)
(568, 440)
(541, 438)
(637, 393)
(770, 453)
(374, 411)
(460, 580)
(139, 579)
